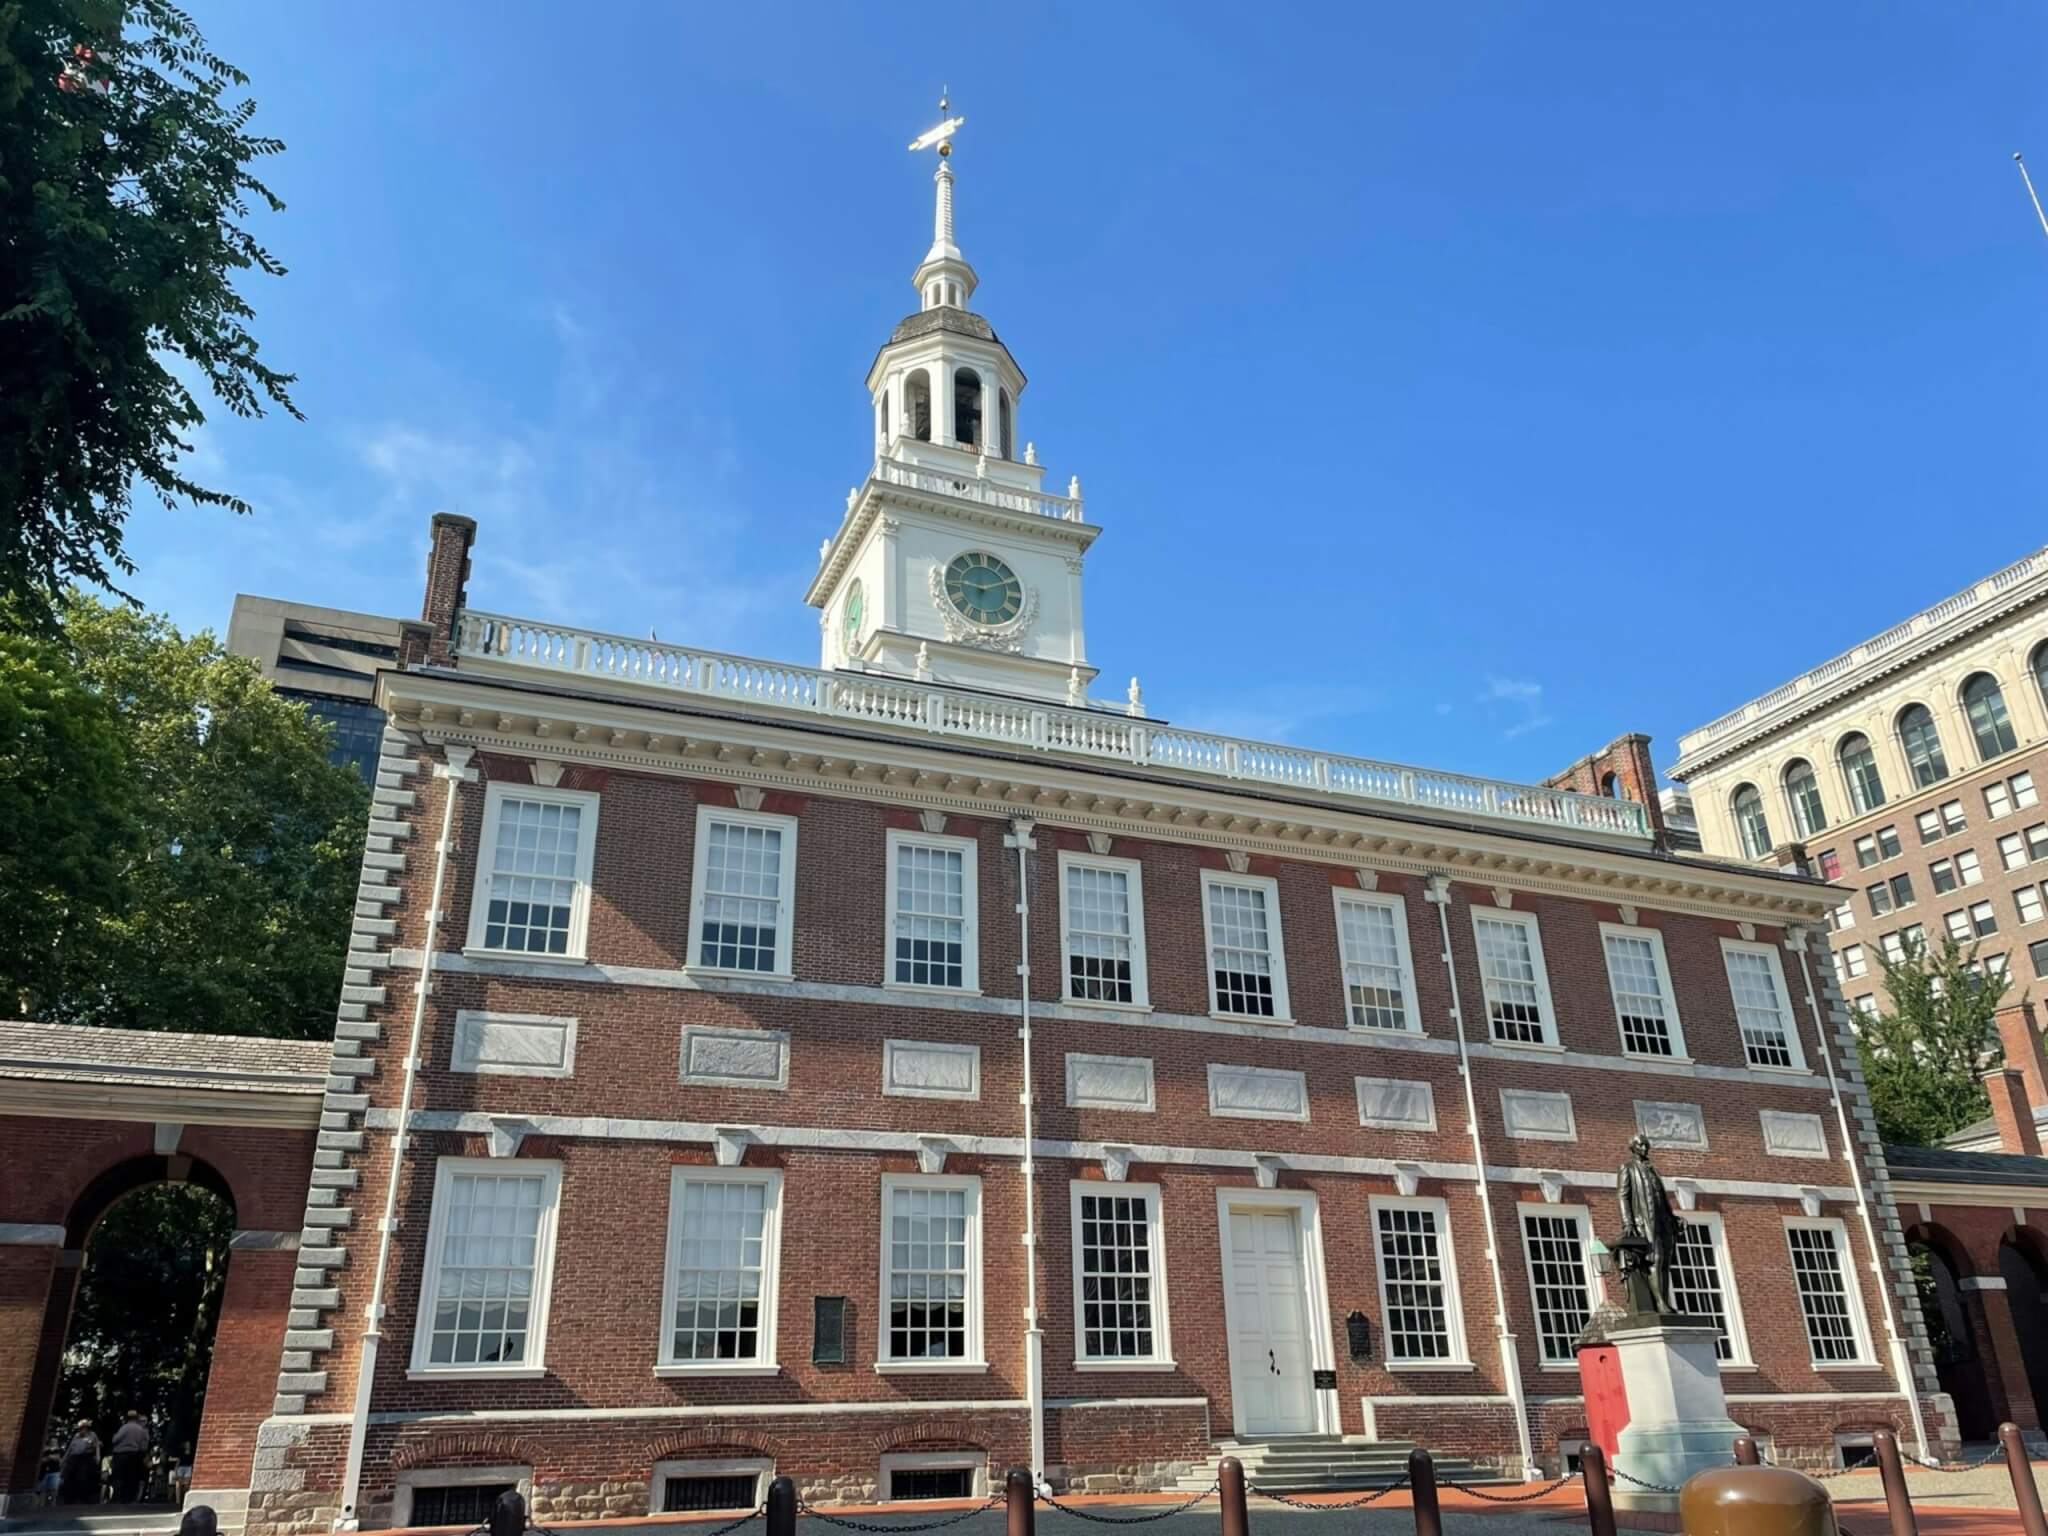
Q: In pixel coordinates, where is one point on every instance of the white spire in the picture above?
(944, 276)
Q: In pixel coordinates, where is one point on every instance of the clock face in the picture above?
(850, 621)
(984, 589)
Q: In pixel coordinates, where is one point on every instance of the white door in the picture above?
(1269, 1329)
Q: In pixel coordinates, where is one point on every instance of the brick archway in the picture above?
(1963, 1339)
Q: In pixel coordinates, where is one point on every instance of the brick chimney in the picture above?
(431, 640)
(2020, 1033)
(1622, 768)
(2012, 1113)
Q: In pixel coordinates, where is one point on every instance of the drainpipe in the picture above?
(1902, 1364)
(453, 774)
(1439, 896)
(1034, 1335)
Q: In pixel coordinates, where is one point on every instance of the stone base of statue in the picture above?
(1678, 1420)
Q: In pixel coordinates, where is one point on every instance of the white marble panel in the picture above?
(1257, 1093)
(1532, 1115)
(1396, 1104)
(931, 1069)
(1672, 1125)
(1790, 1134)
(1109, 1082)
(513, 1044)
(735, 1058)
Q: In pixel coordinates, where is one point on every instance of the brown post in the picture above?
(1237, 1520)
(782, 1507)
(2024, 1493)
(1022, 1512)
(1745, 1452)
(1429, 1518)
(1897, 1502)
(1599, 1497)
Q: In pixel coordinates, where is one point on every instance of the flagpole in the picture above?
(2031, 193)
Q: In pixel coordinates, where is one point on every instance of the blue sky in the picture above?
(1460, 384)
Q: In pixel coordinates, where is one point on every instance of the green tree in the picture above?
(1922, 1057)
(125, 178)
(237, 842)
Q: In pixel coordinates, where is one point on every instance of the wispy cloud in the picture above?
(1518, 701)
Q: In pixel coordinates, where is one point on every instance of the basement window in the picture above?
(934, 1475)
(464, 1504)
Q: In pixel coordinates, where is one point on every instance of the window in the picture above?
(2027, 899)
(1902, 890)
(1958, 925)
(1644, 1000)
(1830, 864)
(490, 1251)
(931, 1273)
(932, 908)
(1880, 898)
(1865, 1004)
(1560, 1282)
(1894, 948)
(2022, 786)
(1756, 977)
(917, 401)
(2037, 952)
(1842, 917)
(1119, 1276)
(1859, 770)
(724, 1237)
(2012, 850)
(2037, 841)
(1983, 919)
(1803, 790)
(1913, 936)
(533, 871)
(1943, 873)
(1952, 816)
(1888, 842)
(742, 890)
(1997, 800)
(1923, 746)
(467, 1504)
(2041, 672)
(699, 1487)
(1929, 823)
(1854, 961)
(1751, 823)
(1703, 1284)
(1247, 968)
(1866, 852)
(1103, 901)
(922, 1475)
(1984, 704)
(1511, 967)
(1419, 1308)
(1969, 868)
(1379, 975)
(1828, 1300)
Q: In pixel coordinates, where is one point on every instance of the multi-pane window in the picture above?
(1866, 851)
(2022, 786)
(1943, 873)
(490, 1245)
(1997, 800)
(720, 1306)
(1969, 868)
(932, 912)
(1913, 936)
(2012, 850)
(1952, 816)
(533, 871)
(1888, 845)
(1859, 769)
(1119, 1296)
(1757, 981)
(1958, 925)
(2027, 900)
(1379, 978)
(1923, 746)
(1643, 997)
(1104, 906)
(1841, 916)
(1894, 948)
(2037, 840)
(1829, 864)
(1555, 1243)
(1902, 890)
(1418, 1285)
(2037, 952)
(1865, 1004)
(1751, 822)
(1880, 898)
(1854, 961)
(1929, 823)
(1983, 919)
(931, 1285)
(1803, 790)
(1827, 1299)
(1511, 968)
(742, 890)
(1984, 704)
(1702, 1287)
(1247, 970)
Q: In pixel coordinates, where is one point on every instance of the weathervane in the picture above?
(941, 135)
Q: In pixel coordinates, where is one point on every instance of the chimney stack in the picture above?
(2011, 1112)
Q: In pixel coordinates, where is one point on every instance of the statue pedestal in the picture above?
(1678, 1420)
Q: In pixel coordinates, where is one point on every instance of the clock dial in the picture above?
(850, 620)
(985, 590)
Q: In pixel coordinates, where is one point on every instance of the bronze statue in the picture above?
(1649, 1230)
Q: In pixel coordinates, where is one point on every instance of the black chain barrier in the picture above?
(1995, 1453)
(1514, 1498)
(755, 1513)
(1160, 1514)
(1357, 1503)
(851, 1524)
(1638, 1482)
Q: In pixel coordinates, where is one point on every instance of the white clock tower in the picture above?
(952, 563)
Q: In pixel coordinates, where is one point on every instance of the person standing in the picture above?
(130, 1446)
(78, 1479)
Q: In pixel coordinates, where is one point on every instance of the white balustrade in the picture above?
(972, 487)
(1049, 728)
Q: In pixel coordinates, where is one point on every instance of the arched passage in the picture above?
(2024, 1268)
(1952, 1331)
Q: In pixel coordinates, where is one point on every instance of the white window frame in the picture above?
(1676, 1029)
(495, 795)
(1276, 954)
(1546, 1005)
(1161, 1358)
(1460, 1358)
(970, 913)
(1397, 904)
(1739, 1358)
(666, 1363)
(762, 1468)
(1852, 1287)
(976, 1359)
(785, 897)
(1134, 873)
(534, 1366)
(933, 1461)
(1594, 1291)
(1793, 1044)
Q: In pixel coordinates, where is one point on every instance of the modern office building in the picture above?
(327, 657)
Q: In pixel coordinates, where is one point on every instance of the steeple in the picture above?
(943, 278)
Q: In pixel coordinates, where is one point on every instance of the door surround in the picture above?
(1323, 1406)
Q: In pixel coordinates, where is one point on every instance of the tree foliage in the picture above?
(1922, 1057)
(216, 889)
(125, 178)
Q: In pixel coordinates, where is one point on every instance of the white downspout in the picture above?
(1902, 1362)
(1034, 1336)
(453, 774)
(1439, 896)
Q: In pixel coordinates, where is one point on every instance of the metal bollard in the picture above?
(2024, 1493)
(1237, 1519)
(1897, 1502)
(508, 1515)
(1429, 1517)
(1746, 1501)
(782, 1507)
(199, 1520)
(1599, 1496)
(1023, 1502)
(1745, 1452)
